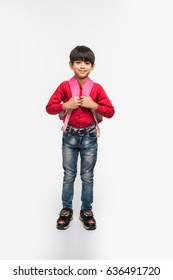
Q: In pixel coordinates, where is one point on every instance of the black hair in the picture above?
(82, 53)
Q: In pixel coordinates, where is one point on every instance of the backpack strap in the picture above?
(74, 86)
(75, 90)
(97, 125)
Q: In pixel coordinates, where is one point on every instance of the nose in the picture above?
(82, 65)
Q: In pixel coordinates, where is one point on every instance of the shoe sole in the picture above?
(87, 228)
(61, 227)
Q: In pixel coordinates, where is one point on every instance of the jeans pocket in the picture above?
(93, 134)
(65, 136)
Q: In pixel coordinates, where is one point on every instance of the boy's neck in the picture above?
(82, 81)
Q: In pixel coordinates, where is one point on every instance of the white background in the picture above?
(132, 41)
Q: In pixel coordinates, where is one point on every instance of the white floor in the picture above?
(133, 218)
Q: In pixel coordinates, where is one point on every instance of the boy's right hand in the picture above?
(73, 103)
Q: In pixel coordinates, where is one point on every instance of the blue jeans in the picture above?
(72, 146)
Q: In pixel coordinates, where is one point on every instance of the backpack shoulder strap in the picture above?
(75, 90)
(86, 92)
(74, 86)
(87, 87)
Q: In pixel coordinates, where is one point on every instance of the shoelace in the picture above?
(88, 213)
(65, 213)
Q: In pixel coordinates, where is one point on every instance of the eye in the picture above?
(87, 62)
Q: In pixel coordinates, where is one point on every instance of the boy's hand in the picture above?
(73, 103)
(87, 102)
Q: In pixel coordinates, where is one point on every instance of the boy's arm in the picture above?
(54, 105)
(105, 107)
(62, 94)
(106, 111)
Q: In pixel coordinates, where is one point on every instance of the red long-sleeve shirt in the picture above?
(80, 117)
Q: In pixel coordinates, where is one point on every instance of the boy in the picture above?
(79, 135)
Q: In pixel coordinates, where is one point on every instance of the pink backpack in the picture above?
(75, 89)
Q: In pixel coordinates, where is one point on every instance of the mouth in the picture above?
(82, 71)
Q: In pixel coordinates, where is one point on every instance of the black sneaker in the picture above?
(65, 216)
(87, 218)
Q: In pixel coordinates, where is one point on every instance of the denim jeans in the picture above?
(72, 146)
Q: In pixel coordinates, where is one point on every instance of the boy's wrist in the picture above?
(95, 106)
(64, 107)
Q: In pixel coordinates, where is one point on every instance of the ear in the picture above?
(71, 65)
(92, 68)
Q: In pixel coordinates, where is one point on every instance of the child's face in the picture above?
(81, 69)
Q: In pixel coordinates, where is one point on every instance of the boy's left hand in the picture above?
(87, 102)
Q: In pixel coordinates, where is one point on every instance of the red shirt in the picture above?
(80, 117)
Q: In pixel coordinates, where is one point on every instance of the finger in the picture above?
(79, 102)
